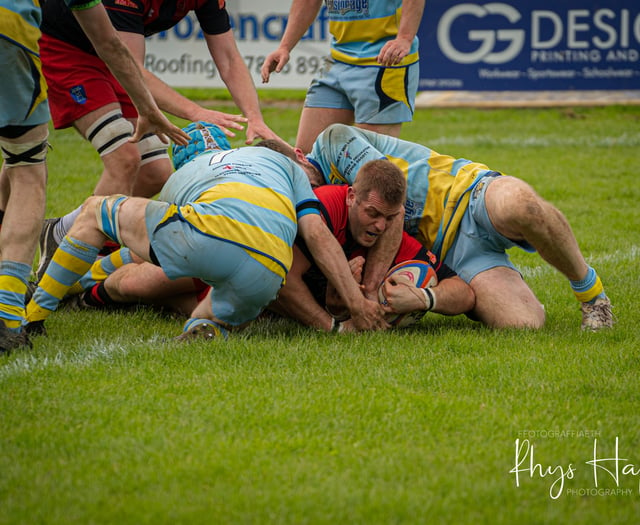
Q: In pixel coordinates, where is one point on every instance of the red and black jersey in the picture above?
(333, 207)
(145, 17)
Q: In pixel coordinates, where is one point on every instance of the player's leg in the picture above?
(325, 103)
(84, 94)
(147, 283)
(503, 300)
(392, 130)
(118, 218)
(25, 174)
(383, 98)
(315, 120)
(241, 289)
(479, 256)
(519, 213)
(24, 117)
(109, 133)
(155, 167)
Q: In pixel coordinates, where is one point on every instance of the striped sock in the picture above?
(14, 277)
(101, 269)
(588, 289)
(71, 261)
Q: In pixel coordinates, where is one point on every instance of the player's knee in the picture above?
(102, 212)
(151, 148)
(530, 318)
(109, 132)
(522, 205)
(89, 206)
(24, 153)
(126, 287)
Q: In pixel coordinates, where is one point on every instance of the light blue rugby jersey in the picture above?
(437, 185)
(360, 28)
(251, 197)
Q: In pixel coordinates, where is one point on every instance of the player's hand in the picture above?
(274, 62)
(257, 129)
(160, 125)
(393, 52)
(402, 296)
(334, 303)
(369, 316)
(225, 121)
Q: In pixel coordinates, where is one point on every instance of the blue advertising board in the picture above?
(530, 45)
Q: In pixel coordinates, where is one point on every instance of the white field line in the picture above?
(98, 351)
(630, 255)
(625, 140)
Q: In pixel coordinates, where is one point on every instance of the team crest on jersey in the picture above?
(343, 7)
(126, 3)
(78, 94)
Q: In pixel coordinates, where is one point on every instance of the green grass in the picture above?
(108, 421)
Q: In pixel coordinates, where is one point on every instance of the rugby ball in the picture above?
(419, 273)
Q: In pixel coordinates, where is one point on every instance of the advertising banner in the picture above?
(180, 56)
(530, 45)
(474, 46)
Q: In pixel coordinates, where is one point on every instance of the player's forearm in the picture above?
(301, 15)
(412, 11)
(380, 257)
(242, 90)
(170, 100)
(331, 260)
(296, 301)
(453, 296)
(113, 52)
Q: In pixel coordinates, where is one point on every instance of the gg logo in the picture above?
(486, 38)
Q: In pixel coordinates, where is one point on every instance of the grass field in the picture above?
(107, 420)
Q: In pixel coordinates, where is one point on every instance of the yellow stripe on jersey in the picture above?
(447, 199)
(335, 177)
(371, 61)
(262, 197)
(370, 30)
(267, 248)
(253, 239)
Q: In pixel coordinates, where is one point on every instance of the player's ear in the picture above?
(300, 156)
(351, 196)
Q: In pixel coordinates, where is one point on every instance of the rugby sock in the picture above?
(71, 261)
(101, 269)
(62, 227)
(195, 322)
(14, 277)
(98, 297)
(588, 289)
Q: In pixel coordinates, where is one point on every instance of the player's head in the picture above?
(204, 137)
(376, 199)
(383, 177)
(315, 177)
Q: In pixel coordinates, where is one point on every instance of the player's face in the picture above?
(315, 178)
(369, 218)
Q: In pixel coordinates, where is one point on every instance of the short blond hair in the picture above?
(383, 177)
